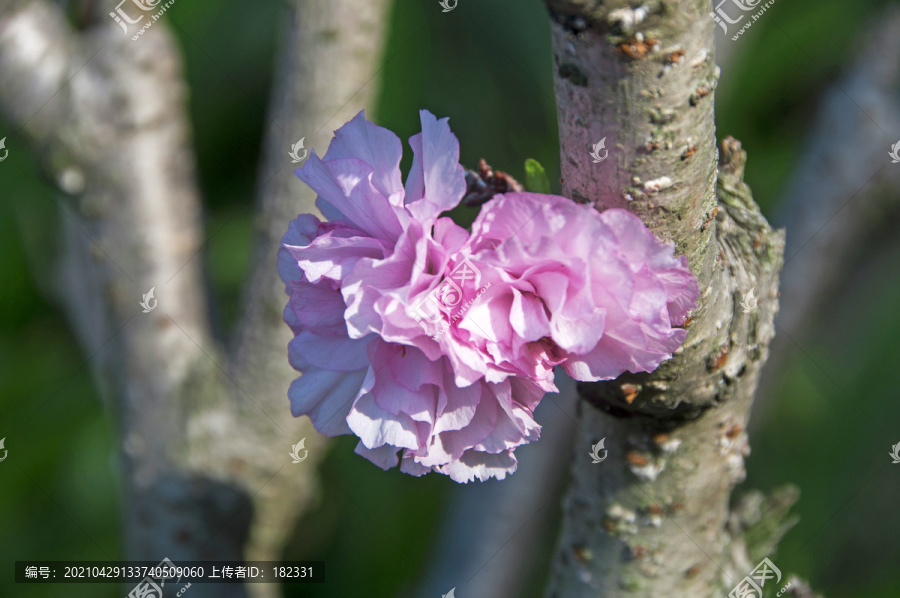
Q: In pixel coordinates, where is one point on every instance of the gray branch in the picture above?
(204, 438)
(121, 153)
(322, 38)
(652, 519)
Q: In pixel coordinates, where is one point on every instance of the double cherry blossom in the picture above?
(432, 344)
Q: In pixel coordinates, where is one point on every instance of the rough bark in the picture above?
(121, 152)
(322, 37)
(652, 519)
(832, 201)
(204, 439)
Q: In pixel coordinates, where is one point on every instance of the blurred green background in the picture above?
(487, 66)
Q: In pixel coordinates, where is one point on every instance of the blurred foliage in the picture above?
(488, 67)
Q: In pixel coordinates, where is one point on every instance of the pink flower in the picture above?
(595, 292)
(418, 337)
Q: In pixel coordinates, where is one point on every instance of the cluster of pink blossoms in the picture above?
(434, 345)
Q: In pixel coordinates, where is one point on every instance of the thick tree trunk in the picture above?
(205, 439)
(651, 519)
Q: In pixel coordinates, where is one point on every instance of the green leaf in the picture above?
(536, 180)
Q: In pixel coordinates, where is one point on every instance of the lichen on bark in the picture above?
(654, 519)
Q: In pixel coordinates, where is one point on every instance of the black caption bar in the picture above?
(156, 575)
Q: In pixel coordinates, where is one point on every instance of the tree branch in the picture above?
(650, 521)
(107, 118)
(204, 440)
(322, 38)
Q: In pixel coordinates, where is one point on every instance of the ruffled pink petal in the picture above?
(458, 407)
(629, 349)
(641, 246)
(347, 185)
(376, 146)
(334, 253)
(376, 426)
(681, 289)
(384, 456)
(420, 404)
(318, 308)
(326, 396)
(412, 369)
(528, 317)
(373, 279)
(476, 465)
(409, 466)
(333, 352)
(301, 231)
(436, 181)
(514, 425)
(449, 235)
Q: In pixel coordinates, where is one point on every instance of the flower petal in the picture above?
(436, 182)
(384, 456)
(326, 396)
(347, 185)
(376, 146)
(376, 426)
(475, 465)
